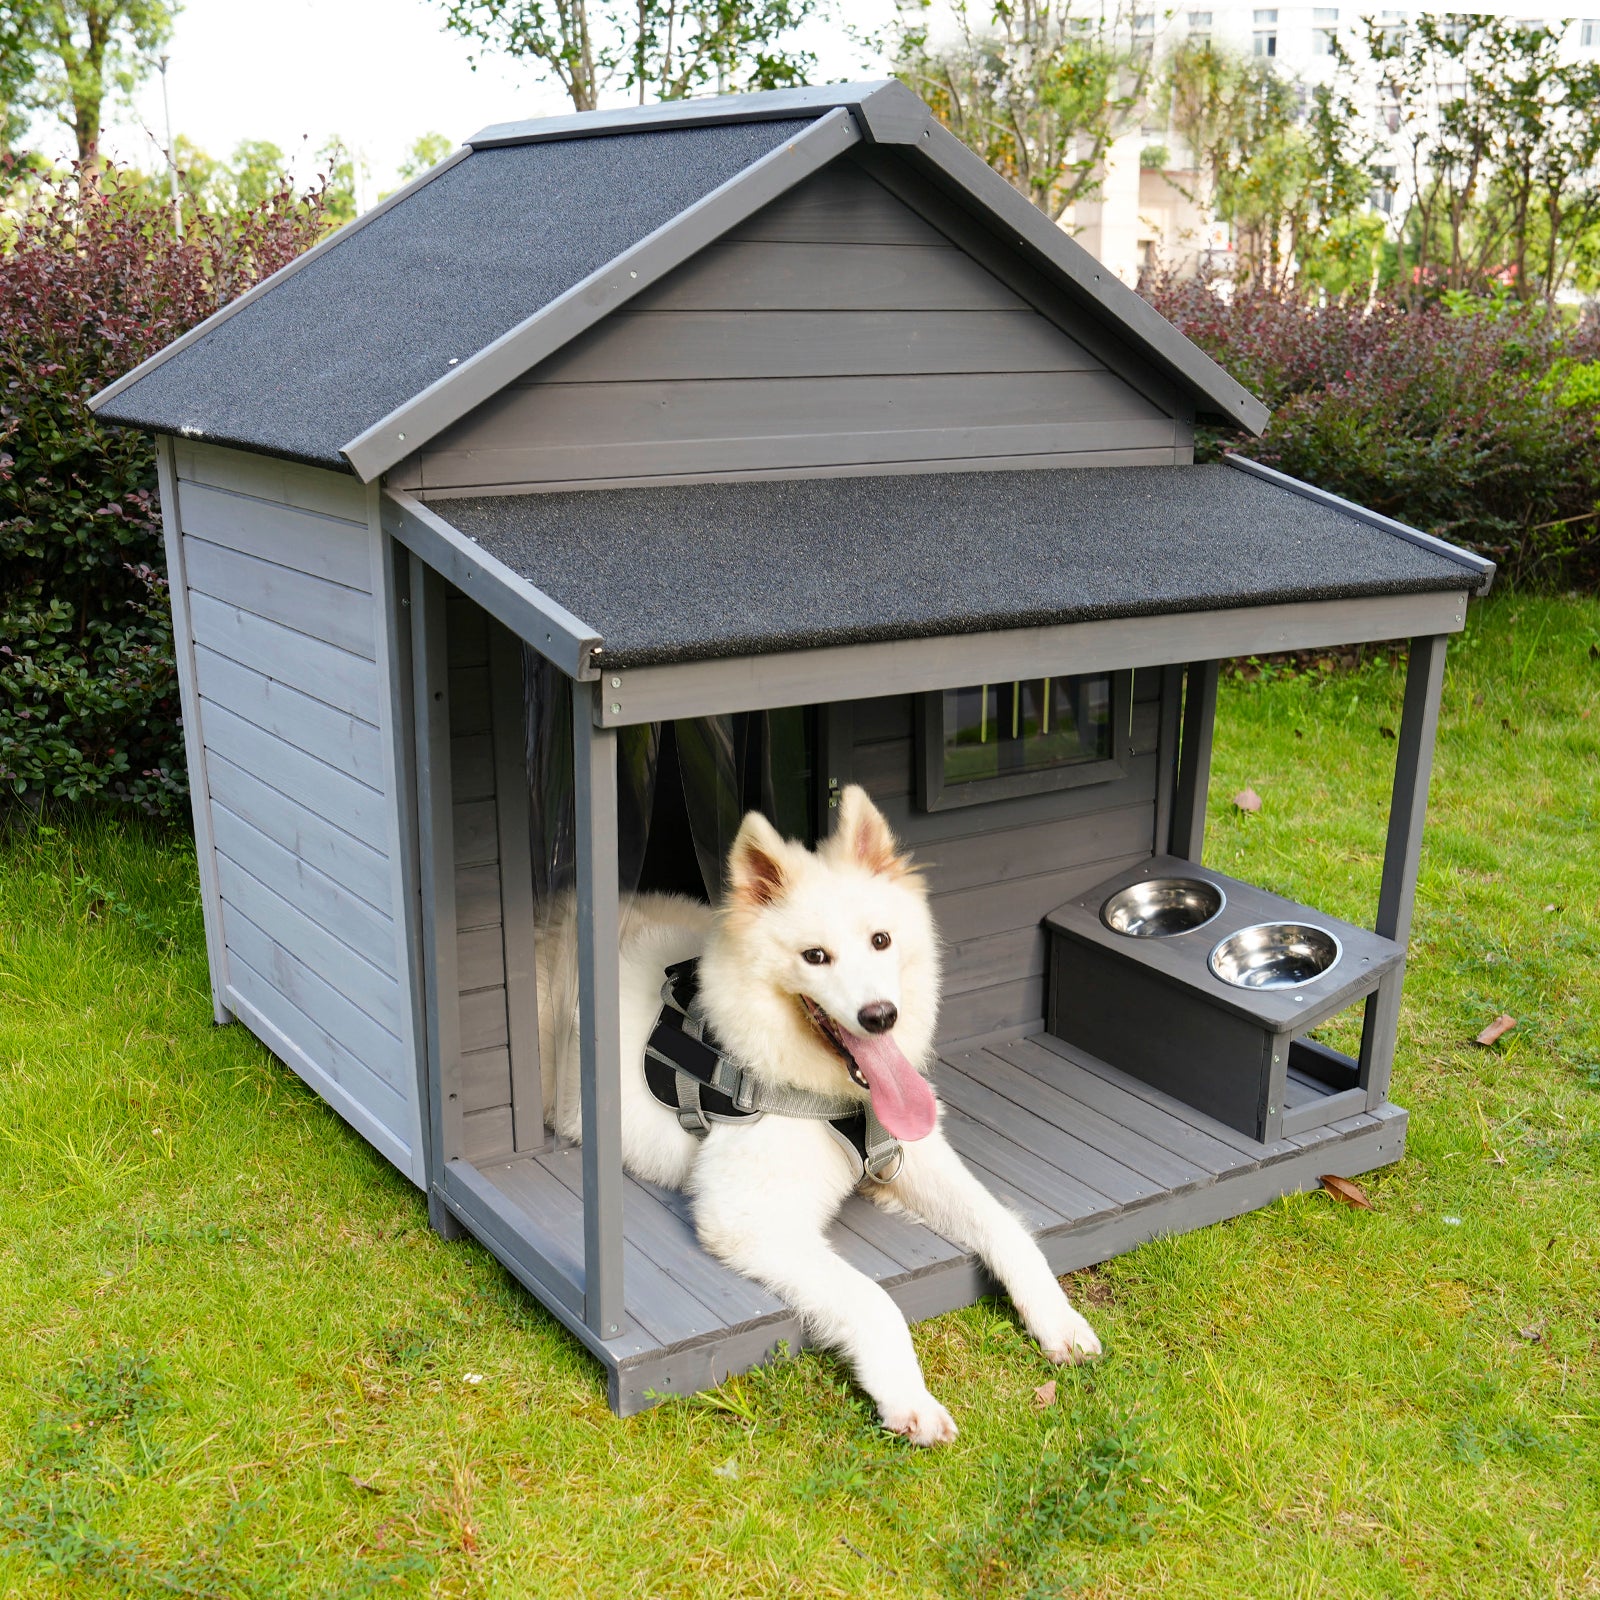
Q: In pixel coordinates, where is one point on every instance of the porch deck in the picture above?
(1095, 1162)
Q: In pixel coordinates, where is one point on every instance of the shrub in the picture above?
(1479, 422)
(91, 283)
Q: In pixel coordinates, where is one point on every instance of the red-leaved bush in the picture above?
(1480, 424)
(90, 285)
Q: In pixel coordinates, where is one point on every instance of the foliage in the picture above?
(1478, 424)
(1501, 141)
(65, 56)
(660, 49)
(1366, 1405)
(1039, 89)
(427, 150)
(1286, 176)
(90, 287)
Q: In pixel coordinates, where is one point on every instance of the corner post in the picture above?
(1194, 760)
(1402, 855)
(594, 754)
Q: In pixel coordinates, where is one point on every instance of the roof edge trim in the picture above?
(983, 189)
(889, 113)
(1481, 565)
(482, 376)
(338, 236)
(527, 611)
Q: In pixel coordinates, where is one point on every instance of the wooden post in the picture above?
(1413, 766)
(1171, 718)
(1194, 761)
(594, 754)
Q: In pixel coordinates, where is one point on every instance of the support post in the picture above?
(1402, 856)
(1171, 717)
(594, 754)
(1194, 760)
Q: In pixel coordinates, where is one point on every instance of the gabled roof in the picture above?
(405, 320)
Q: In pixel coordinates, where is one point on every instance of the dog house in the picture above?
(631, 468)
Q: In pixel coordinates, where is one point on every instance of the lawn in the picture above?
(234, 1361)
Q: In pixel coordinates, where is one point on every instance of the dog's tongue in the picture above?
(900, 1094)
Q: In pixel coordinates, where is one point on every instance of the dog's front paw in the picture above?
(1068, 1339)
(924, 1421)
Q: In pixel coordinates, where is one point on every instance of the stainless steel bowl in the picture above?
(1160, 907)
(1275, 955)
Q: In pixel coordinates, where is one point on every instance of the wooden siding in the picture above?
(291, 689)
(995, 871)
(834, 331)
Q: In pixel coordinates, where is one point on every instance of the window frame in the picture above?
(934, 794)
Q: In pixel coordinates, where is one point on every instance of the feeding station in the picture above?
(631, 468)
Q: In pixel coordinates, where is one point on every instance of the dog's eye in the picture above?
(880, 941)
(815, 957)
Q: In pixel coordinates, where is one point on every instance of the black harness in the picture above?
(690, 1073)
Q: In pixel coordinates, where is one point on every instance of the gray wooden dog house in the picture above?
(780, 401)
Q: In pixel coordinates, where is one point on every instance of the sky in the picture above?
(376, 72)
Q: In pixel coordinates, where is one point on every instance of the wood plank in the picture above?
(1023, 1170)
(1009, 855)
(961, 1085)
(467, 633)
(909, 1244)
(330, 905)
(995, 958)
(662, 346)
(341, 799)
(326, 547)
(1033, 1213)
(480, 957)
(347, 860)
(366, 1056)
(1056, 1107)
(337, 677)
(476, 834)
(1021, 902)
(370, 991)
(842, 205)
(478, 897)
(485, 1080)
(469, 701)
(486, 1135)
(472, 767)
(1154, 1122)
(332, 494)
(760, 276)
(976, 1013)
(344, 741)
(857, 1248)
(483, 1019)
(312, 606)
(671, 1244)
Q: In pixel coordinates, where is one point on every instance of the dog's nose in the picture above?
(879, 1017)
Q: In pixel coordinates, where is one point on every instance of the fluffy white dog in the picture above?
(818, 974)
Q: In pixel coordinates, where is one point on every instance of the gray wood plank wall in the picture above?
(835, 330)
(994, 871)
(279, 563)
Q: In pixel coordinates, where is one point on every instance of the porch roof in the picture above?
(712, 570)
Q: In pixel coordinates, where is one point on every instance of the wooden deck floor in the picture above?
(1093, 1160)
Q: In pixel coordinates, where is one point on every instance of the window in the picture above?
(1392, 27)
(1589, 36)
(995, 741)
(1324, 25)
(1144, 32)
(1199, 24)
(1266, 37)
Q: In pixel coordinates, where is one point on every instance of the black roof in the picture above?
(400, 323)
(708, 570)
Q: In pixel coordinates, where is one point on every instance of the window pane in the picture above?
(996, 729)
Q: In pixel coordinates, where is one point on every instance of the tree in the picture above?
(427, 150)
(1039, 91)
(666, 49)
(66, 56)
(337, 163)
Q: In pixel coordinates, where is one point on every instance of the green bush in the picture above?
(91, 283)
(1476, 420)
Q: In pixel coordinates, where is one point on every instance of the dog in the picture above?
(818, 973)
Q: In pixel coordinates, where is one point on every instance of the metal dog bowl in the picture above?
(1275, 955)
(1160, 907)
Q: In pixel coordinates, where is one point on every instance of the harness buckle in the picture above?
(876, 1159)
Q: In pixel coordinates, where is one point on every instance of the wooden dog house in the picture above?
(706, 411)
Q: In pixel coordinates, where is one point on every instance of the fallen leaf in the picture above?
(1594, 652)
(1533, 1333)
(1247, 800)
(1500, 1026)
(1388, 733)
(1298, 734)
(1509, 726)
(1044, 1396)
(1352, 1194)
(369, 1485)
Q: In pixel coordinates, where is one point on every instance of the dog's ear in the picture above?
(862, 838)
(756, 874)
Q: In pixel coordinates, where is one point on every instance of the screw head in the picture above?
(616, 683)
(615, 708)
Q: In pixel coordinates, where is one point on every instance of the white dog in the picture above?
(819, 978)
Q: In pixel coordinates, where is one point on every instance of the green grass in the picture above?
(234, 1362)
